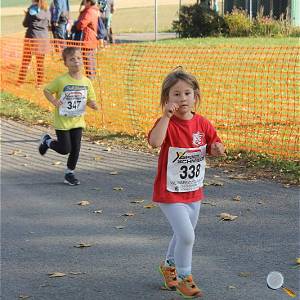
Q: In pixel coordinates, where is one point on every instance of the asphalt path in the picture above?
(41, 223)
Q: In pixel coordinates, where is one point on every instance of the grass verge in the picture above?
(241, 164)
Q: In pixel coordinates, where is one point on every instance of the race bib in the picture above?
(74, 102)
(186, 169)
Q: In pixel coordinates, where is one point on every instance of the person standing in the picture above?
(60, 12)
(37, 21)
(87, 23)
(107, 7)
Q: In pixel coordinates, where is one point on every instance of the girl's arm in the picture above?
(159, 131)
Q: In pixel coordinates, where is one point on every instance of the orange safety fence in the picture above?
(251, 94)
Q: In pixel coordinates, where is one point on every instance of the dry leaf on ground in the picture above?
(128, 214)
(151, 205)
(76, 273)
(84, 203)
(98, 211)
(108, 149)
(24, 297)
(15, 152)
(298, 261)
(214, 183)
(118, 188)
(227, 217)
(56, 163)
(244, 274)
(114, 173)
(237, 198)
(97, 158)
(83, 245)
(137, 201)
(56, 274)
(209, 203)
(120, 227)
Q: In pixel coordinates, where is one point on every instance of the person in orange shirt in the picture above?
(87, 23)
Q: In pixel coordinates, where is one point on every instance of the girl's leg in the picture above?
(75, 140)
(193, 210)
(183, 219)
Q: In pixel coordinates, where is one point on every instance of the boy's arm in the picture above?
(51, 98)
(92, 104)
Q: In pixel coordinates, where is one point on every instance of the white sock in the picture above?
(68, 171)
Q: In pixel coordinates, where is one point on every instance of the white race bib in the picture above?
(74, 102)
(186, 169)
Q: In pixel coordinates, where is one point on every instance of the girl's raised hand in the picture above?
(217, 149)
(170, 109)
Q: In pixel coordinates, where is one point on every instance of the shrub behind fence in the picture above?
(251, 94)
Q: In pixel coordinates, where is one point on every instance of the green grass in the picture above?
(256, 165)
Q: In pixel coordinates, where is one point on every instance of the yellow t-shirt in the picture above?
(74, 94)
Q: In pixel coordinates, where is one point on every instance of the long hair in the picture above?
(42, 4)
(172, 78)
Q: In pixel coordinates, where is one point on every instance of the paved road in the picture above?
(41, 224)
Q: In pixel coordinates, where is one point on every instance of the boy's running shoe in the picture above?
(188, 289)
(43, 147)
(71, 180)
(170, 276)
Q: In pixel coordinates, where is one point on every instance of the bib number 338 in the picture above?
(186, 169)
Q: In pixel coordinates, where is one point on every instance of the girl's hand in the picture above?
(170, 109)
(217, 149)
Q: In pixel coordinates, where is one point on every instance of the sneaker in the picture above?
(188, 289)
(43, 147)
(71, 180)
(170, 276)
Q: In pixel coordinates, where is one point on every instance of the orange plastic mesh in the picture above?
(251, 94)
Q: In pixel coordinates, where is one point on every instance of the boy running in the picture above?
(69, 93)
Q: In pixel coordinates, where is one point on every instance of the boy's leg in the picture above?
(63, 143)
(75, 140)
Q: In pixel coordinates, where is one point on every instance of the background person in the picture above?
(60, 13)
(37, 22)
(87, 23)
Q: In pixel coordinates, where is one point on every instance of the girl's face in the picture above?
(182, 94)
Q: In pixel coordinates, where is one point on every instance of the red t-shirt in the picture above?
(182, 134)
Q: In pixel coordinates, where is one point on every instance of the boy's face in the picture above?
(74, 61)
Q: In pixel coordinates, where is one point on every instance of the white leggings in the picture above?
(183, 218)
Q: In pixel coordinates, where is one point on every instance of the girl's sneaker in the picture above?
(188, 289)
(170, 276)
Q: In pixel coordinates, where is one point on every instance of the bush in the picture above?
(198, 21)
(238, 23)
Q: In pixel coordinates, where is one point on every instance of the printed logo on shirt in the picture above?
(198, 138)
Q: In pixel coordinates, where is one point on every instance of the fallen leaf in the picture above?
(83, 203)
(137, 201)
(237, 198)
(227, 217)
(83, 245)
(231, 287)
(56, 163)
(118, 188)
(209, 203)
(151, 205)
(97, 157)
(56, 274)
(287, 186)
(98, 211)
(24, 297)
(128, 214)
(298, 261)
(119, 227)
(214, 183)
(244, 274)
(239, 176)
(114, 173)
(108, 149)
(290, 292)
(76, 273)
(97, 142)
(15, 152)
(96, 189)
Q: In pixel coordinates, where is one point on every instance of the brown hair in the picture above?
(42, 4)
(172, 78)
(69, 51)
